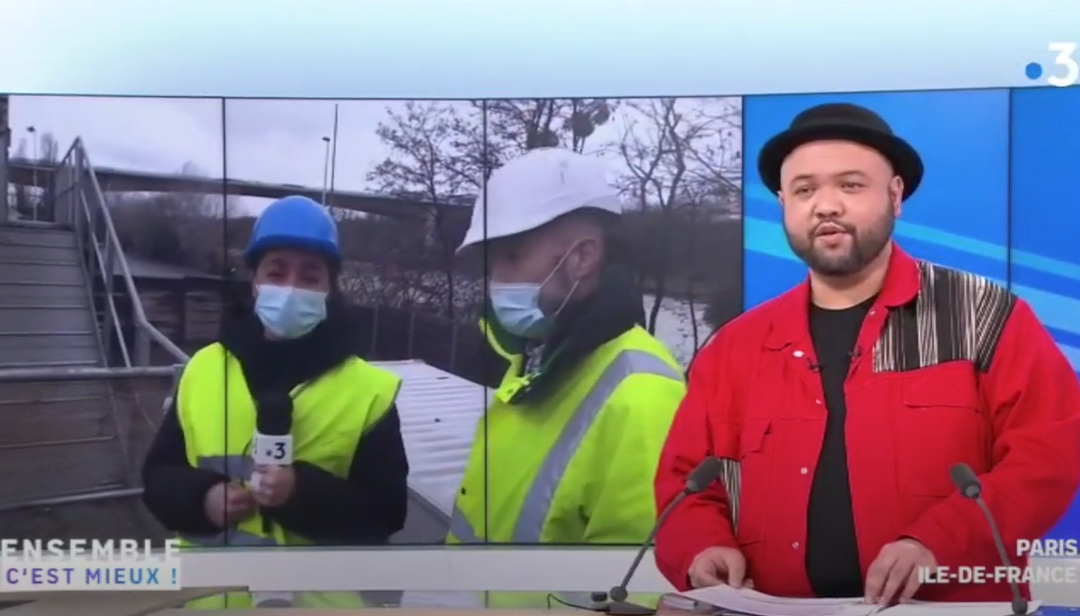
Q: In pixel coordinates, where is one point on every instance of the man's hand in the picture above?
(894, 574)
(276, 485)
(228, 504)
(718, 566)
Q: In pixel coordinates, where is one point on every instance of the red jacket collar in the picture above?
(793, 323)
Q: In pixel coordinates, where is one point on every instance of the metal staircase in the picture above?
(46, 317)
(73, 424)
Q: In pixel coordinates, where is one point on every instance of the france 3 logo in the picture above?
(1064, 70)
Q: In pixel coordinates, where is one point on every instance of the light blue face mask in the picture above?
(517, 305)
(288, 312)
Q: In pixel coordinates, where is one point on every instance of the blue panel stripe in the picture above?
(1056, 311)
(953, 241)
(1059, 312)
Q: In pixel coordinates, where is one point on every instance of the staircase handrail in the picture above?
(138, 313)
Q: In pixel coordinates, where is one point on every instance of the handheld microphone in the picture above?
(272, 444)
(700, 478)
(969, 486)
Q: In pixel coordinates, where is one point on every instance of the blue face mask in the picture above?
(517, 305)
(288, 312)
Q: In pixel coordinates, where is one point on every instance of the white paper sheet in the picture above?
(748, 601)
(752, 602)
(919, 608)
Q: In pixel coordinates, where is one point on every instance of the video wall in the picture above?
(184, 180)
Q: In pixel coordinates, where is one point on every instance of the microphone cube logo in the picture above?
(272, 449)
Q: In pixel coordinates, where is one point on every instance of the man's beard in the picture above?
(865, 246)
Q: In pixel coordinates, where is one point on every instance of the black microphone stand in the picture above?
(614, 601)
(969, 486)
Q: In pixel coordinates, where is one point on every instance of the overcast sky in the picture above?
(274, 141)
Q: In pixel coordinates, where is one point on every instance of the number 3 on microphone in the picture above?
(1066, 58)
(278, 452)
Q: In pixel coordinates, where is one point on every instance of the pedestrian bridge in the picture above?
(27, 172)
(76, 418)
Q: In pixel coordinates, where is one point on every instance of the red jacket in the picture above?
(1000, 397)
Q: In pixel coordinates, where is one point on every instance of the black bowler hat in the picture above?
(842, 122)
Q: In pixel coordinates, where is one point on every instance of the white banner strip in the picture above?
(439, 569)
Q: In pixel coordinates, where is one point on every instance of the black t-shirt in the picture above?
(832, 552)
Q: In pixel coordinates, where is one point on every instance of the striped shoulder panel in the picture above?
(730, 478)
(956, 316)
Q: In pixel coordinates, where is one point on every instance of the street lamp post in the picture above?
(326, 170)
(34, 146)
(333, 153)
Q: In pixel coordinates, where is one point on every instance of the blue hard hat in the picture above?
(294, 222)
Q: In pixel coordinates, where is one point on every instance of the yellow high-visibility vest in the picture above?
(576, 467)
(330, 416)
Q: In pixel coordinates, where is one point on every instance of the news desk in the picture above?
(383, 603)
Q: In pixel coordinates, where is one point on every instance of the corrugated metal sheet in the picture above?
(439, 412)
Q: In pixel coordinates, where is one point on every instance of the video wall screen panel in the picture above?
(1045, 232)
(399, 179)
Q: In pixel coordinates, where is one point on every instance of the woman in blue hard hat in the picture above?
(279, 433)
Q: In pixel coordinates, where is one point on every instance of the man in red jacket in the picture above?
(846, 400)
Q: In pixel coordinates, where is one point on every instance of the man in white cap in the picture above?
(571, 439)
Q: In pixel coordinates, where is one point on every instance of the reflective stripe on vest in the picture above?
(537, 505)
(237, 468)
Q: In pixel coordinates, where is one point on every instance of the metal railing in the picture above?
(81, 204)
(134, 395)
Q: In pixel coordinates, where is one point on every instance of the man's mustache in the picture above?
(832, 226)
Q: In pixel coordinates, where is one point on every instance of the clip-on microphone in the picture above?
(963, 477)
(700, 478)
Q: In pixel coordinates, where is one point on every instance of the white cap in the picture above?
(535, 189)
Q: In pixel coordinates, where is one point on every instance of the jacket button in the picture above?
(795, 545)
(804, 470)
(463, 491)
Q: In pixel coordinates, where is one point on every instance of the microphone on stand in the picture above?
(969, 486)
(700, 478)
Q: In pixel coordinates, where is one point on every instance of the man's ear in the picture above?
(896, 195)
(590, 255)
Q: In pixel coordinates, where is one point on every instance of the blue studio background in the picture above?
(999, 197)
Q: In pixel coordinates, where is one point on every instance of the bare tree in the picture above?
(682, 160)
(48, 149)
(20, 193)
(516, 126)
(435, 158)
(181, 228)
(5, 144)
